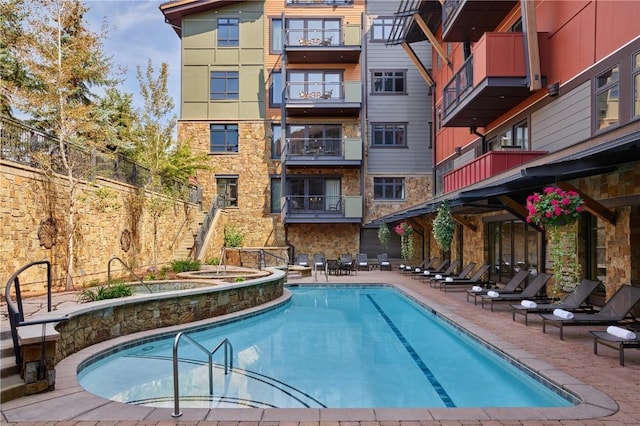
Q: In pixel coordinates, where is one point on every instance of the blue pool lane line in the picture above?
(444, 396)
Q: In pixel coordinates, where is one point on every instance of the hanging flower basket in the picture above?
(557, 211)
(406, 240)
(443, 227)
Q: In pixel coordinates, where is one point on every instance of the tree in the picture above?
(12, 70)
(62, 59)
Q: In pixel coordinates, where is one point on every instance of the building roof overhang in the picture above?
(174, 11)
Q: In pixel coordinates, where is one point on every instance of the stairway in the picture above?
(13, 385)
(184, 246)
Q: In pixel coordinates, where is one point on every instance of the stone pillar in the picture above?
(39, 374)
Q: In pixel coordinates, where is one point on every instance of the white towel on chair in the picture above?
(427, 272)
(408, 268)
(621, 332)
(529, 304)
(418, 270)
(476, 288)
(493, 294)
(449, 279)
(402, 266)
(438, 277)
(563, 314)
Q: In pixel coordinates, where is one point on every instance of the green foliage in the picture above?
(212, 261)
(240, 279)
(384, 235)
(443, 227)
(405, 230)
(233, 237)
(185, 265)
(113, 290)
(105, 199)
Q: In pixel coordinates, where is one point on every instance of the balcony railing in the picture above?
(299, 147)
(322, 208)
(486, 166)
(314, 91)
(459, 87)
(313, 37)
(321, 204)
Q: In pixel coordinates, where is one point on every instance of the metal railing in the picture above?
(459, 86)
(321, 204)
(228, 365)
(127, 268)
(313, 37)
(299, 147)
(316, 91)
(16, 313)
(198, 241)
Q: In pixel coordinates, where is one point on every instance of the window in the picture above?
(513, 138)
(228, 31)
(314, 195)
(607, 108)
(513, 245)
(276, 195)
(388, 81)
(389, 134)
(313, 32)
(388, 188)
(381, 29)
(276, 35)
(227, 187)
(275, 90)
(314, 139)
(224, 138)
(636, 84)
(276, 141)
(224, 85)
(521, 135)
(314, 84)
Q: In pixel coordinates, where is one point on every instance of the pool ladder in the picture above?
(228, 365)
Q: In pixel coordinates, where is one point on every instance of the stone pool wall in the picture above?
(151, 311)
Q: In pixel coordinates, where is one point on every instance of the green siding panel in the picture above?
(195, 84)
(353, 206)
(352, 149)
(197, 33)
(194, 111)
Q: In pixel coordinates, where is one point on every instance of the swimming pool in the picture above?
(337, 347)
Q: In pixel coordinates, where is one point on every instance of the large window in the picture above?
(224, 85)
(381, 29)
(228, 32)
(314, 84)
(276, 35)
(276, 195)
(607, 98)
(389, 134)
(224, 138)
(227, 187)
(512, 138)
(276, 141)
(313, 194)
(275, 90)
(636, 84)
(314, 139)
(388, 188)
(513, 245)
(388, 82)
(313, 32)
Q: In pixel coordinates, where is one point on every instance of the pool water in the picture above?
(336, 347)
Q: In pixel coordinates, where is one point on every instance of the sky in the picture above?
(137, 32)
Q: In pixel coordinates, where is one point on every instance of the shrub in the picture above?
(232, 236)
(185, 265)
(212, 261)
(113, 290)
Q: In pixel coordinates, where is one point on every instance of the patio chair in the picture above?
(346, 261)
(573, 301)
(426, 263)
(362, 262)
(615, 342)
(530, 292)
(303, 259)
(464, 274)
(319, 263)
(510, 287)
(427, 273)
(614, 312)
(383, 262)
(333, 267)
(474, 280)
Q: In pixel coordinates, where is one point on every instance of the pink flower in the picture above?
(566, 201)
(554, 202)
(557, 210)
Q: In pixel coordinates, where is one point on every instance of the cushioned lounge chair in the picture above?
(383, 262)
(474, 280)
(362, 262)
(426, 263)
(510, 287)
(530, 292)
(303, 260)
(436, 279)
(573, 301)
(614, 312)
(428, 272)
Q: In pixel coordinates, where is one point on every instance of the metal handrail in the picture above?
(198, 241)
(16, 314)
(128, 269)
(264, 253)
(228, 365)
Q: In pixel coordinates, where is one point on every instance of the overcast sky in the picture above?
(137, 32)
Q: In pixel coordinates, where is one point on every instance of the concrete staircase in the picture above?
(184, 246)
(12, 385)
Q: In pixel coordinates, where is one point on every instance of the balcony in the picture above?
(322, 209)
(311, 99)
(486, 166)
(323, 46)
(323, 152)
(320, 3)
(470, 19)
(491, 81)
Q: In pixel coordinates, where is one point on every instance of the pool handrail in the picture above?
(128, 269)
(16, 314)
(228, 365)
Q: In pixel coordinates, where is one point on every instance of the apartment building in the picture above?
(277, 93)
(528, 94)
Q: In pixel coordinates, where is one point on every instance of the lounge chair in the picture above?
(614, 342)
(614, 312)
(530, 292)
(362, 262)
(442, 272)
(303, 260)
(510, 287)
(428, 271)
(383, 262)
(573, 301)
(426, 263)
(463, 275)
(474, 280)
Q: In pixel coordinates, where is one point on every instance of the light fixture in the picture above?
(458, 150)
